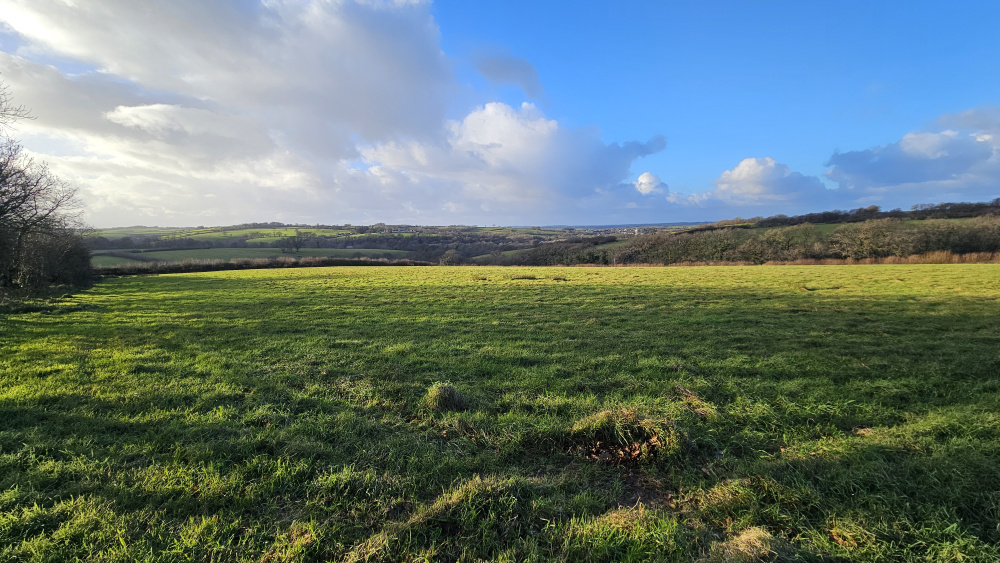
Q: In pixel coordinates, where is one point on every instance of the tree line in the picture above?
(869, 239)
(922, 211)
(41, 242)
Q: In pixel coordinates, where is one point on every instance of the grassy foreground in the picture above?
(665, 414)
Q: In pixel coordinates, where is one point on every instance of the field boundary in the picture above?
(195, 265)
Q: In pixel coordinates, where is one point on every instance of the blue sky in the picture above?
(488, 112)
(726, 80)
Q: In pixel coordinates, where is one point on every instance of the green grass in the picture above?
(822, 413)
(215, 233)
(513, 230)
(231, 253)
(110, 261)
(220, 233)
(119, 232)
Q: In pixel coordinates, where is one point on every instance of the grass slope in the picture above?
(519, 414)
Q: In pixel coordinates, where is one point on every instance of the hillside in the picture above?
(859, 234)
(968, 230)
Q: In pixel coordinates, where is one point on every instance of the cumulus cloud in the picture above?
(649, 183)
(294, 110)
(757, 181)
(512, 70)
(956, 164)
(762, 183)
(916, 158)
(372, 68)
(513, 160)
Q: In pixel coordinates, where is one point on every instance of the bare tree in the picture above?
(9, 113)
(38, 211)
(293, 243)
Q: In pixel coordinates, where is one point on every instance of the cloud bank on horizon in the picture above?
(218, 112)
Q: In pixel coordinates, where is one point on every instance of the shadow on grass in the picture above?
(272, 425)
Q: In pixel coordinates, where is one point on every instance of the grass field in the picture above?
(119, 232)
(213, 233)
(820, 413)
(101, 261)
(219, 233)
(231, 253)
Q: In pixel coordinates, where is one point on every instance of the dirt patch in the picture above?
(612, 452)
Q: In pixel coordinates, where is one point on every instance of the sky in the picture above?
(504, 112)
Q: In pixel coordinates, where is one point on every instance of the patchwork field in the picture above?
(263, 234)
(231, 253)
(137, 231)
(824, 413)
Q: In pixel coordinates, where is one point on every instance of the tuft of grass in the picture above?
(443, 397)
(753, 545)
(624, 435)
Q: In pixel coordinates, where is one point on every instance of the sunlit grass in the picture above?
(608, 414)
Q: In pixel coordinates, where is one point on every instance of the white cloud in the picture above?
(927, 145)
(512, 160)
(925, 166)
(161, 120)
(374, 69)
(757, 181)
(297, 110)
(649, 183)
(761, 183)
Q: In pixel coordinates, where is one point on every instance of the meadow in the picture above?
(119, 232)
(234, 253)
(811, 413)
(261, 234)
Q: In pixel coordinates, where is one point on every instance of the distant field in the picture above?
(230, 253)
(217, 233)
(514, 252)
(212, 233)
(813, 413)
(135, 231)
(596, 248)
(109, 261)
(513, 230)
